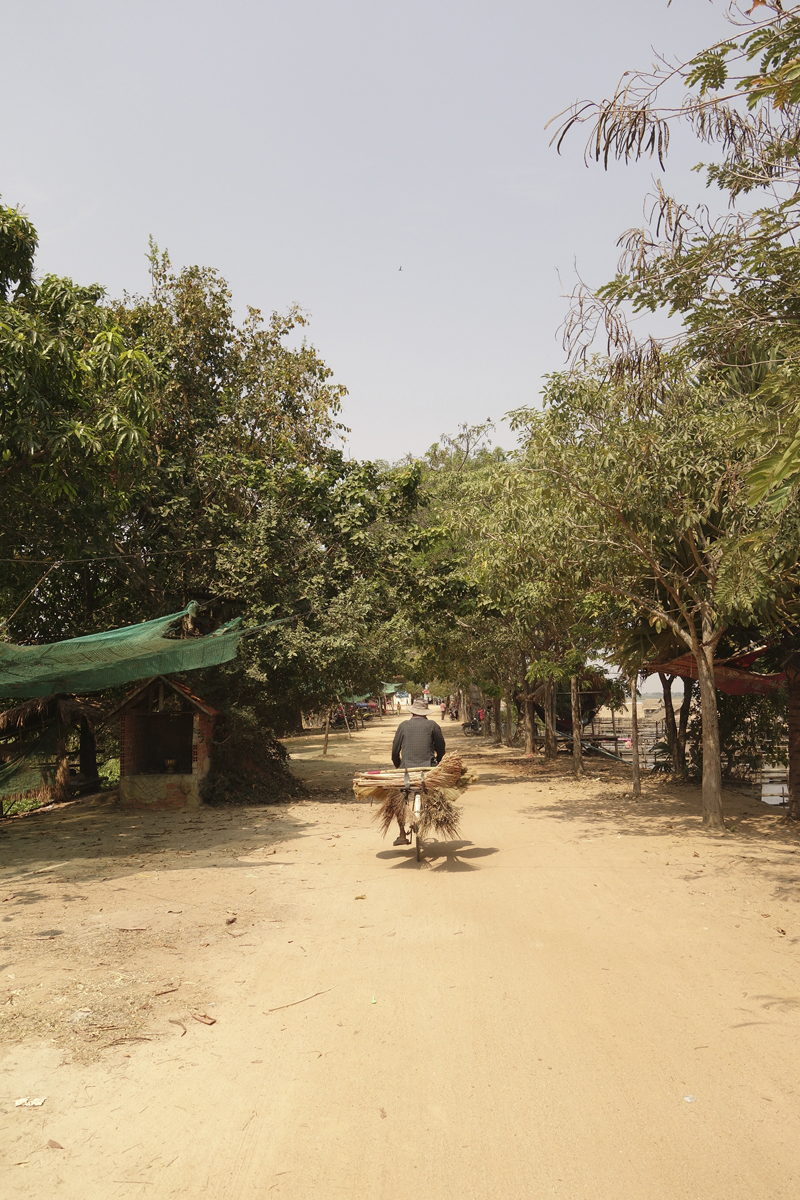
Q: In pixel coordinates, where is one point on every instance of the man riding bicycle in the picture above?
(418, 743)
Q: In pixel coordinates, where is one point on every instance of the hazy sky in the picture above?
(309, 149)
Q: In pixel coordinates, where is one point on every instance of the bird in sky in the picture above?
(401, 268)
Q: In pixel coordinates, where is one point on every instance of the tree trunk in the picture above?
(327, 730)
(669, 723)
(346, 722)
(683, 725)
(577, 751)
(530, 726)
(61, 786)
(526, 711)
(793, 678)
(498, 726)
(509, 703)
(487, 715)
(712, 766)
(550, 742)
(61, 790)
(637, 780)
(88, 751)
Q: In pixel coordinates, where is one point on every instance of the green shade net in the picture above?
(33, 765)
(113, 658)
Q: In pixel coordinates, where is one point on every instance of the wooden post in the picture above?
(637, 782)
(327, 729)
(793, 677)
(87, 751)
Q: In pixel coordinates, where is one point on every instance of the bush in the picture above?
(248, 763)
(752, 730)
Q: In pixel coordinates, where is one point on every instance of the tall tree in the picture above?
(77, 406)
(661, 519)
(732, 275)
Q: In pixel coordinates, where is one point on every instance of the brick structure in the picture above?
(166, 734)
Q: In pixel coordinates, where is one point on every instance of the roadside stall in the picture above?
(61, 675)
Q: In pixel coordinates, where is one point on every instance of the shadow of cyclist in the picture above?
(441, 856)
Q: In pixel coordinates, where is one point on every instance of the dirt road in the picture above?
(586, 998)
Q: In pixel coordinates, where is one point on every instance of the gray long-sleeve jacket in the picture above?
(418, 742)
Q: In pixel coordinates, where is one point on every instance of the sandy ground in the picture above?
(587, 997)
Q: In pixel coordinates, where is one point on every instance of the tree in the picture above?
(159, 452)
(732, 277)
(77, 404)
(660, 518)
(492, 560)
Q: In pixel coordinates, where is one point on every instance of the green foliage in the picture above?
(248, 764)
(733, 278)
(18, 242)
(494, 610)
(753, 731)
(657, 523)
(77, 397)
(157, 451)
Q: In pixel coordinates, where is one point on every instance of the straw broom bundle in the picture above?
(376, 785)
(448, 774)
(443, 786)
(441, 814)
(393, 808)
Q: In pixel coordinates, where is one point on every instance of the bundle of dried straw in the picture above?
(443, 785)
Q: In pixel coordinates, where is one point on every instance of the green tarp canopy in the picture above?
(113, 658)
(389, 689)
(32, 767)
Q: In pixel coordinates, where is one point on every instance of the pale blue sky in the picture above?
(310, 149)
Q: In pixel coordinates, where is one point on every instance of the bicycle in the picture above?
(417, 809)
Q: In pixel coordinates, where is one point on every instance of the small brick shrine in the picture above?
(165, 735)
